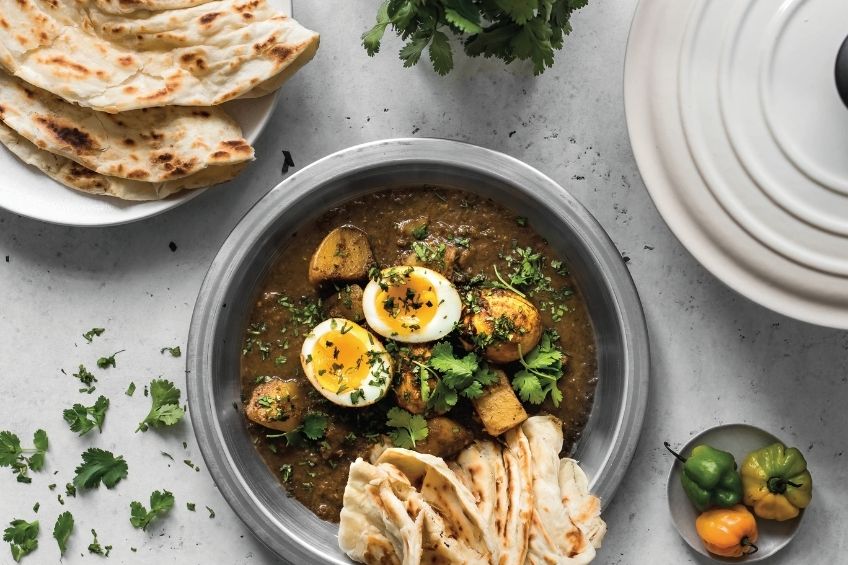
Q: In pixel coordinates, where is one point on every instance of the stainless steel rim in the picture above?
(610, 438)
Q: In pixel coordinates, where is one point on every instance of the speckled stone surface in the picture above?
(717, 357)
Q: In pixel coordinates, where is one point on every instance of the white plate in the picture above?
(741, 138)
(739, 440)
(27, 191)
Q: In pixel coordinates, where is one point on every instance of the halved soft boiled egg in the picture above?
(411, 304)
(346, 363)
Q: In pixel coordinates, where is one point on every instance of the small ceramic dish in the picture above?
(740, 440)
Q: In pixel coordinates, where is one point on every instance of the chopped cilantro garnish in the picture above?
(409, 428)
(82, 419)
(161, 503)
(211, 512)
(86, 378)
(97, 549)
(130, 390)
(190, 506)
(106, 362)
(420, 232)
(285, 472)
(458, 375)
(92, 333)
(174, 351)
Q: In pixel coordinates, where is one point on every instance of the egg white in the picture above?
(448, 305)
(373, 386)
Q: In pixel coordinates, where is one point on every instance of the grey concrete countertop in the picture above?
(717, 357)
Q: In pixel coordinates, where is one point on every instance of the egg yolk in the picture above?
(406, 302)
(340, 359)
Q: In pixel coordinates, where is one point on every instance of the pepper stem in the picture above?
(673, 452)
(777, 485)
(748, 547)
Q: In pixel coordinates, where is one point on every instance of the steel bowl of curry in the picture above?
(414, 293)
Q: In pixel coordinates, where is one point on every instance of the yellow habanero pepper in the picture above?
(728, 532)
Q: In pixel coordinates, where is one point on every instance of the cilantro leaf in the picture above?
(174, 351)
(10, 449)
(441, 54)
(315, 425)
(165, 405)
(521, 11)
(62, 530)
(161, 503)
(106, 362)
(130, 390)
(22, 537)
(466, 376)
(371, 38)
(36, 460)
(463, 15)
(100, 465)
(542, 370)
(410, 428)
(443, 360)
(92, 333)
(411, 52)
(82, 419)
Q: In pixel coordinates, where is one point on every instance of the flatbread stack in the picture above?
(511, 504)
(120, 97)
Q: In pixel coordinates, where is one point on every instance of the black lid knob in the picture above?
(842, 72)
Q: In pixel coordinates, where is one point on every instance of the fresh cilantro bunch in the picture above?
(161, 503)
(466, 376)
(165, 405)
(506, 29)
(409, 428)
(14, 456)
(542, 369)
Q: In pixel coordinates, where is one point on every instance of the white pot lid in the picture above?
(741, 137)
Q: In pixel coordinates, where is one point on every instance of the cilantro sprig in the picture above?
(466, 376)
(14, 456)
(22, 537)
(92, 333)
(165, 406)
(174, 351)
(542, 370)
(98, 466)
(409, 428)
(82, 419)
(507, 29)
(161, 503)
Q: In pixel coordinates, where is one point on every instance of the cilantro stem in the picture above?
(505, 284)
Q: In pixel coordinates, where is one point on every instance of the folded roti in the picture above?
(152, 145)
(76, 176)
(201, 55)
(129, 6)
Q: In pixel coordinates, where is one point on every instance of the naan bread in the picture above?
(554, 535)
(517, 504)
(152, 145)
(198, 56)
(76, 176)
(129, 6)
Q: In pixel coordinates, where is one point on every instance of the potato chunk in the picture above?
(346, 303)
(277, 405)
(499, 408)
(408, 386)
(445, 439)
(440, 257)
(343, 256)
(504, 323)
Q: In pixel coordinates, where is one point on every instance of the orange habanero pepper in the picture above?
(728, 532)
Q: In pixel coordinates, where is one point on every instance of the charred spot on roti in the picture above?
(220, 155)
(79, 140)
(201, 113)
(138, 174)
(207, 19)
(61, 61)
(282, 52)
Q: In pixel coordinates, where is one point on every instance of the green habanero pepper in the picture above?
(709, 477)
